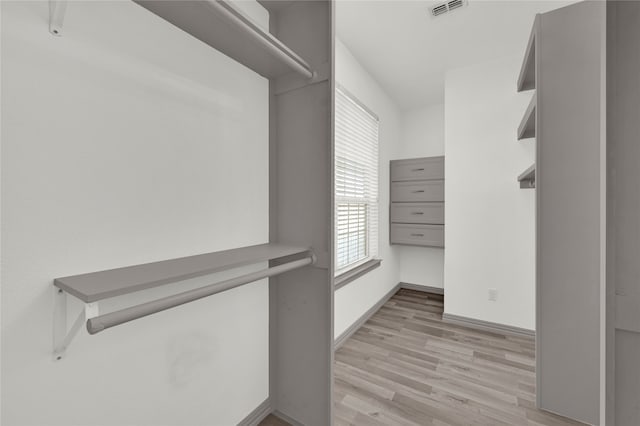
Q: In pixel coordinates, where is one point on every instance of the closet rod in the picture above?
(102, 322)
(257, 33)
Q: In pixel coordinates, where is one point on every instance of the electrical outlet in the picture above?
(493, 294)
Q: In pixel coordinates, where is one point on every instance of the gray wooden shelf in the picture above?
(527, 77)
(527, 127)
(527, 178)
(225, 28)
(96, 286)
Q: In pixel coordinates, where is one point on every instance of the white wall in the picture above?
(489, 235)
(422, 136)
(355, 298)
(121, 142)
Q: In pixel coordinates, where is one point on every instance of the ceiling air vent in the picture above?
(443, 8)
(439, 9)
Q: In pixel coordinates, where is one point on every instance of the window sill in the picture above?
(355, 273)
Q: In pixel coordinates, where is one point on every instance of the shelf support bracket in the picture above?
(527, 183)
(61, 336)
(57, 9)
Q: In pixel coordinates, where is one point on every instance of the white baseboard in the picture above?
(262, 411)
(291, 421)
(339, 341)
(258, 414)
(423, 288)
(487, 326)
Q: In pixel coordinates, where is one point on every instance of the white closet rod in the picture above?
(102, 322)
(262, 37)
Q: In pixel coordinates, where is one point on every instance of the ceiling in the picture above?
(408, 51)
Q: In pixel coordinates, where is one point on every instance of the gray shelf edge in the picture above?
(249, 27)
(527, 178)
(527, 127)
(270, 38)
(417, 224)
(417, 245)
(95, 286)
(416, 158)
(525, 82)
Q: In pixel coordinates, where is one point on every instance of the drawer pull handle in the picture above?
(417, 235)
(417, 170)
(418, 191)
(417, 212)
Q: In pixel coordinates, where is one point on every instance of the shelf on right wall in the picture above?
(527, 127)
(562, 66)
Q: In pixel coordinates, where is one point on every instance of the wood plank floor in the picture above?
(406, 367)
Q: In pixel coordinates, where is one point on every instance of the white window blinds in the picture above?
(356, 182)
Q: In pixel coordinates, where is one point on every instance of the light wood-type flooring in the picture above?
(407, 367)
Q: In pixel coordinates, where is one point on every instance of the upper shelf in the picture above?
(223, 27)
(527, 77)
(527, 128)
(527, 178)
(115, 282)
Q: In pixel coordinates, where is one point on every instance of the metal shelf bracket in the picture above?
(61, 336)
(57, 9)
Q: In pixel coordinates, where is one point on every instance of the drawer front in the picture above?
(407, 192)
(432, 213)
(417, 235)
(417, 169)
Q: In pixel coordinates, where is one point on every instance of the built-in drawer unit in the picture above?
(417, 202)
(421, 191)
(432, 213)
(418, 235)
(417, 169)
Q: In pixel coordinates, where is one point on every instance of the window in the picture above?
(356, 183)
